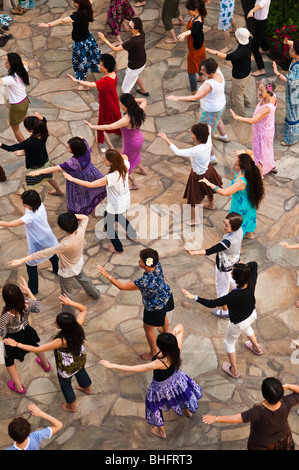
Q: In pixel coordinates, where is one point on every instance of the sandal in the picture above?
(46, 369)
(226, 369)
(12, 387)
(248, 345)
(141, 92)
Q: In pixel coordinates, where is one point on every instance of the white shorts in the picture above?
(233, 331)
(131, 77)
(224, 281)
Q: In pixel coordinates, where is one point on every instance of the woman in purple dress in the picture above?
(79, 200)
(129, 124)
(170, 389)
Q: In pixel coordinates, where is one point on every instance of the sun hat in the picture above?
(242, 35)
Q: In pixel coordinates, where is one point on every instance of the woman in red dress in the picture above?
(109, 110)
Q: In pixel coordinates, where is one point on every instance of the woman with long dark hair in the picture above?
(79, 201)
(170, 389)
(133, 118)
(16, 82)
(246, 190)
(86, 52)
(118, 195)
(69, 351)
(36, 155)
(19, 302)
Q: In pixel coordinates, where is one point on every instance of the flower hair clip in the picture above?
(149, 262)
(269, 87)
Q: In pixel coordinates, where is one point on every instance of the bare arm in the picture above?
(139, 368)
(87, 184)
(56, 343)
(202, 92)
(123, 122)
(50, 169)
(56, 425)
(65, 20)
(290, 247)
(12, 223)
(291, 387)
(229, 419)
(65, 300)
(121, 286)
(112, 46)
(178, 332)
(85, 83)
(257, 117)
(239, 185)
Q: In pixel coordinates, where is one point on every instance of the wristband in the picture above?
(195, 298)
(110, 277)
(215, 189)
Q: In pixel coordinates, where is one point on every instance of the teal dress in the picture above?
(241, 204)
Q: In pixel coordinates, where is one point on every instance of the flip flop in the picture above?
(226, 369)
(12, 387)
(248, 345)
(46, 369)
(141, 92)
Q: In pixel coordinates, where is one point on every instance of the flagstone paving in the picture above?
(113, 417)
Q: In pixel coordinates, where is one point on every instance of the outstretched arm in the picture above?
(56, 425)
(121, 286)
(87, 184)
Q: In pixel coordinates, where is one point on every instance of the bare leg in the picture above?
(71, 407)
(87, 390)
(254, 343)
(56, 188)
(134, 185)
(18, 134)
(139, 82)
(209, 205)
(180, 21)
(43, 358)
(173, 39)
(166, 324)
(107, 140)
(233, 363)
(228, 45)
(151, 339)
(158, 431)
(14, 375)
(221, 128)
(141, 170)
(195, 219)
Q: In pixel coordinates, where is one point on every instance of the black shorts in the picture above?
(157, 317)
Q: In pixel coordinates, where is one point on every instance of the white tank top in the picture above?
(215, 100)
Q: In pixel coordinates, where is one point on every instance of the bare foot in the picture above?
(158, 432)
(87, 390)
(209, 205)
(258, 73)
(71, 408)
(187, 413)
(113, 250)
(139, 4)
(140, 172)
(193, 222)
(249, 236)
(171, 41)
(133, 186)
(55, 193)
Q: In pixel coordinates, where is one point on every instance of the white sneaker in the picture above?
(218, 312)
(104, 149)
(219, 137)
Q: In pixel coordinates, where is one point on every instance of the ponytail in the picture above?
(253, 178)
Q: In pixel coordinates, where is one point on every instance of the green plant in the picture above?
(277, 40)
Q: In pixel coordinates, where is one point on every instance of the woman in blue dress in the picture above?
(246, 190)
(291, 79)
(170, 388)
(156, 296)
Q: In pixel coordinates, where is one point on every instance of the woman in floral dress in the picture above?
(120, 12)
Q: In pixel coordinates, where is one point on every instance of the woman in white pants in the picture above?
(135, 47)
(241, 306)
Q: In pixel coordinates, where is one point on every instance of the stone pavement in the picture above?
(113, 418)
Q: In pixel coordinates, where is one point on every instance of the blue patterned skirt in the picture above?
(176, 393)
(86, 57)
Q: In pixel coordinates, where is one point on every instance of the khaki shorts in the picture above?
(18, 112)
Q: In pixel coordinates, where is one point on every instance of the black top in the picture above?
(221, 246)
(197, 34)
(241, 60)
(36, 154)
(240, 302)
(162, 374)
(80, 30)
(136, 51)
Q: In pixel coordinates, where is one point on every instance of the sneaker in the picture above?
(213, 160)
(218, 312)
(219, 137)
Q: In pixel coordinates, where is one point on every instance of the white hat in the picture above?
(242, 35)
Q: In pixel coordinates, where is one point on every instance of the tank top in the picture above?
(162, 374)
(215, 100)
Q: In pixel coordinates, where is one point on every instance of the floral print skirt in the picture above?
(119, 10)
(176, 393)
(86, 57)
